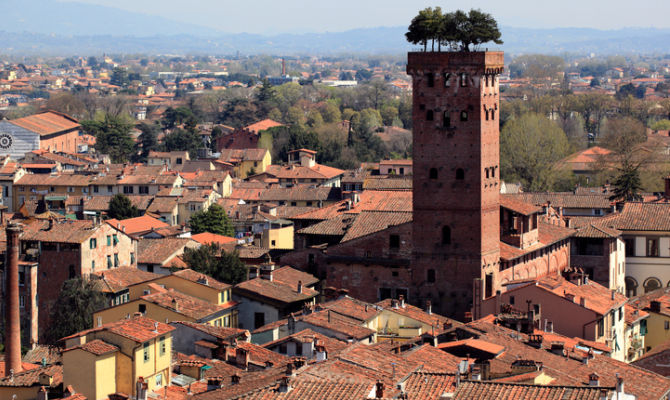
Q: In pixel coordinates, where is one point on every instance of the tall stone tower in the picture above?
(456, 179)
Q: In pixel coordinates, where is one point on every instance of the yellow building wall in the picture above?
(124, 373)
(242, 169)
(656, 332)
(282, 237)
(94, 377)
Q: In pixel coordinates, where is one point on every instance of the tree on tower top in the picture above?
(456, 30)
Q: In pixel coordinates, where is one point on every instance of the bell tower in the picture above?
(456, 181)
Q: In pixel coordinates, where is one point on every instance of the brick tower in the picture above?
(456, 181)
(12, 317)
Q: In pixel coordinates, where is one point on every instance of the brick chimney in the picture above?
(12, 316)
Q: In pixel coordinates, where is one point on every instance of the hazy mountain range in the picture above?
(41, 27)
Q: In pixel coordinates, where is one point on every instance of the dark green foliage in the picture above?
(183, 140)
(456, 29)
(176, 116)
(148, 141)
(120, 207)
(120, 77)
(627, 186)
(112, 136)
(214, 220)
(240, 112)
(625, 91)
(73, 310)
(211, 260)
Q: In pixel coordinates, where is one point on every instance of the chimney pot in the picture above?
(299, 286)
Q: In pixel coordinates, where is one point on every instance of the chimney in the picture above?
(175, 305)
(214, 382)
(582, 301)
(321, 353)
(235, 379)
(43, 394)
(299, 286)
(429, 307)
(242, 358)
(594, 379)
(329, 316)
(12, 315)
(613, 293)
(401, 300)
(285, 384)
(655, 306)
(619, 385)
(379, 390)
(155, 327)
(550, 326)
(51, 224)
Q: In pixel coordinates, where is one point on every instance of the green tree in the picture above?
(421, 28)
(330, 112)
(239, 113)
(177, 116)
(120, 77)
(627, 185)
(211, 260)
(148, 141)
(183, 140)
(530, 147)
(214, 220)
(73, 310)
(120, 207)
(112, 136)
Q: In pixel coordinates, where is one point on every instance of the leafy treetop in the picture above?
(456, 30)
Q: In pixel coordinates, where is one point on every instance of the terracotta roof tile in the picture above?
(495, 390)
(96, 347)
(262, 125)
(184, 304)
(117, 279)
(219, 332)
(641, 217)
(31, 377)
(47, 123)
(161, 251)
(518, 206)
(368, 222)
(62, 231)
(563, 199)
(274, 290)
(133, 226)
(202, 279)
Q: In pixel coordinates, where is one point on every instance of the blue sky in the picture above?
(299, 16)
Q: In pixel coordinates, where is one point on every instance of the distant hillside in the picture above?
(46, 27)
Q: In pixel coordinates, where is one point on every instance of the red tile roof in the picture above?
(161, 251)
(138, 328)
(207, 238)
(274, 290)
(47, 123)
(518, 206)
(477, 344)
(262, 125)
(197, 277)
(117, 279)
(472, 390)
(597, 297)
(132, 226)
(31, 377)
(96, 347)
(641, 217)
(184, 304)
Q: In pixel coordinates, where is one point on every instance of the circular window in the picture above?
(5, 141)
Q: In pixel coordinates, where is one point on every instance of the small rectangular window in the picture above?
(430, 80)
(394, 241)
(162, 345)
(429, 115)
(93, 243)
(109, 240)
(146, 352)
(109, 261)
(116, 260)
(431, 275)
(95, 188)
(652, 247)
(92, 265)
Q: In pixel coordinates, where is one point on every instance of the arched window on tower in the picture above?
(429, 115)
(486, 112)
(447, 78)
(464, 79)
(430, 79)
(493, 115)
(652, 284)
(432, 174)
(464, 115)
(446, 119)
(487, 173)
(460, 174)
(446, 235)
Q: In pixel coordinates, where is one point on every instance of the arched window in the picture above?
(446, 119)
(446, 235)
(493, 115)
(493, 172)
(651, 284)
(487, 114)
(430, 79)
(432, 174)
(460, 174)
(487, 173)
(447, 77)
(464, 115)
(464, 79)
(631, 287)
(429, 115)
